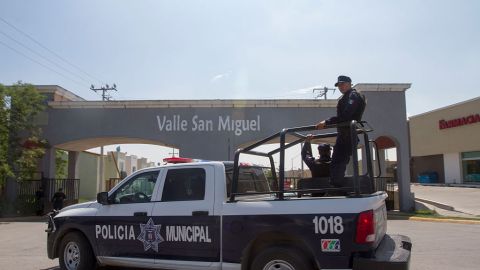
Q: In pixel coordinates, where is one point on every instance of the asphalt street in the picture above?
(439, 246)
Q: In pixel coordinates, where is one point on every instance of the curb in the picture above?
(428, 219)
(24, 219)
(447, 185)
(446, 220)
(437, 204)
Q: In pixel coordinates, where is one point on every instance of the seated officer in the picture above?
(319, 167)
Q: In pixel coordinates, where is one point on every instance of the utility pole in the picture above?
(322, 92)
(104, 90)
(105, 97)
(173, 152)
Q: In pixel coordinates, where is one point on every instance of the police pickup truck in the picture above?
(224, 215)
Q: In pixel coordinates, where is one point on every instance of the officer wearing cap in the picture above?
(319, 167)
(350, 107)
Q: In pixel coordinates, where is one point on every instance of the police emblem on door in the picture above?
(150, 235)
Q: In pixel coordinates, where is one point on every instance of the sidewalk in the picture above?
(449, 199)
(24, 219)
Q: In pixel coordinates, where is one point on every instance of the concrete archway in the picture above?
(213, 129)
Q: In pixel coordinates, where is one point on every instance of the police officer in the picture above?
(58, 199)
(350, 107)
(319, 167)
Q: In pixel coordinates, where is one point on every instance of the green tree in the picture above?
(20, 142)
(61, 161)
(4, 106)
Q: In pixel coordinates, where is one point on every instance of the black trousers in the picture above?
(340, 158)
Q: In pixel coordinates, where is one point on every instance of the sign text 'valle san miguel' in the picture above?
(176, 123)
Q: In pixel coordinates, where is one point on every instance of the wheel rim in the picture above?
(278, 265)
(71, 256)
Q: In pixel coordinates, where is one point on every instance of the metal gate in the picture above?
(388, 185)
(21, 196)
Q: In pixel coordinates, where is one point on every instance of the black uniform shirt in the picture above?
(350, 107)
(318, 167)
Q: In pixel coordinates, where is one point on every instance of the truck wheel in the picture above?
(281, 258)
(76, 253)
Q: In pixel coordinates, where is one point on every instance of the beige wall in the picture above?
(426, 138)
(88, 164)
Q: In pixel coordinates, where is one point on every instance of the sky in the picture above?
(243, 49)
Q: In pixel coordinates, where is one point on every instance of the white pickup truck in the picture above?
(224, 215)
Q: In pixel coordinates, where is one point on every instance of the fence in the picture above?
(388, 185)
(21, 196)
(71, 188)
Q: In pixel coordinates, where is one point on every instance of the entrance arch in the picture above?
(89, 143)
(211, 129)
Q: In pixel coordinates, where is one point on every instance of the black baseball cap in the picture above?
(343, 78)
(324, 147)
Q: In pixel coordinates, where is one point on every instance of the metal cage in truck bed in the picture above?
(355, 186)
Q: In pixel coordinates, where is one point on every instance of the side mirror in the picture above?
(102, 198)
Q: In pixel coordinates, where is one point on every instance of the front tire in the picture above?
(281, 258)
(76, 253)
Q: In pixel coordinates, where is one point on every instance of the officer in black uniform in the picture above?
(58, 199)
(350, 107)
(319, 167)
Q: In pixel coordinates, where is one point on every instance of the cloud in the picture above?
(220, 76)
(305, 90)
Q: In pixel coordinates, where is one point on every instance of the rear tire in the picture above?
(75, 253)
(281, 258)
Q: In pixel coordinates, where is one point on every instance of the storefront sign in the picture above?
(471, 119)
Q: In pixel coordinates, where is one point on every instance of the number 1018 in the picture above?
(331, 225)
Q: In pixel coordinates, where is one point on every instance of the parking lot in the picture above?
(439, 246)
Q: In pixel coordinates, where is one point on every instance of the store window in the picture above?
(471, 166)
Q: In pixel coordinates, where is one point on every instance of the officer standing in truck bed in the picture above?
(350, 107)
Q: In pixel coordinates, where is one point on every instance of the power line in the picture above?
(43, 57)
(47, 49)
(41, 64)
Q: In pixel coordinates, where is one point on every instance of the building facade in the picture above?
(446, 142)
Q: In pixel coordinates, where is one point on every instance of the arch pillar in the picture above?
(72, 164)
(403, 169)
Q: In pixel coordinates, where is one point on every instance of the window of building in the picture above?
(184, 185)
(471, 166)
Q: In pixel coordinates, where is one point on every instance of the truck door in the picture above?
(118, 225)
(190, 232)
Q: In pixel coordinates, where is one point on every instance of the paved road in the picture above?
(466, 200)
(23, 246)
(438, 246)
